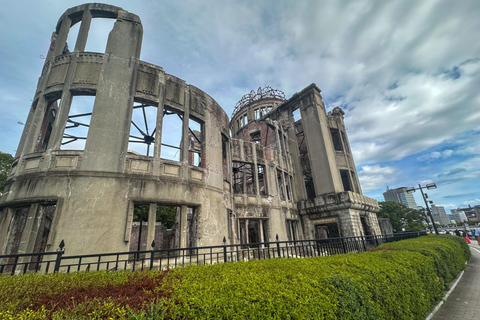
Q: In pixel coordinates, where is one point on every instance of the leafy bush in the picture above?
(400, 280)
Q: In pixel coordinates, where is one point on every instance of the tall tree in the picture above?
(401, 217)
(6, 161)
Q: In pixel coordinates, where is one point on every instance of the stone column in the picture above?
(108, 134)
(325, 174)
(62, 36)
(183, 227)
(83, 31)
(152, 218)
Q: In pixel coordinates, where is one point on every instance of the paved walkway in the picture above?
(464, 301)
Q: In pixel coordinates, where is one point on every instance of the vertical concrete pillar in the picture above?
(246, 232)
(83, 31)
(183, 227)
(325, 174)
(108, 134)
(32, 127)
(152, 218)
(185, 133)
(62, 36)
(262, 236)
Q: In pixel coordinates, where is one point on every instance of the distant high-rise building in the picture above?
(457, 215)
(439, 215)
(400, 195)
(472, 213)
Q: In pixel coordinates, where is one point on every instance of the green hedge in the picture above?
(401, 280)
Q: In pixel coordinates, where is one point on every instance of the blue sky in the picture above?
(406, 73)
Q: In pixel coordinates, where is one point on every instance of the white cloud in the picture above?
(374, 177)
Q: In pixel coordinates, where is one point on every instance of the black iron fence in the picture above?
(49, 262)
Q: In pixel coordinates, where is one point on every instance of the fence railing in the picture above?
(50, 262)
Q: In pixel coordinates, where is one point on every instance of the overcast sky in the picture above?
(406, 73)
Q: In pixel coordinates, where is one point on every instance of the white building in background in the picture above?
(439, 215)
(457, 215)
(400, 195)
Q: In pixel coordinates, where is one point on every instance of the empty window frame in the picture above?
(171, 134)
(262, 181)
(282, 143)
(98, 34)
(296, 115)
(72, 38)
(288, 185)
(255, 137)
(47, 125)
(245, 119)
(281, 189)
(143, 129)
(337, 140)
(305, 161)
(195, 142)
(225, 148)
(292, 230)
(253, 231)
(345, 142)
(355, 183)
(78, 123)
(257, 114)
(347, 186)
(166, 226)
(243, 178)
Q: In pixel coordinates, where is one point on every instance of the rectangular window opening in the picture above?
(347, 186)
(78, 123)
(262, 182)
(281, 191)
(337, 141)
(72, 38)
(297, 115)
(243, 178)
(195, 143)
(143, 129)
(225, 148)
(47, 125)
(98, 34)
(171, 134)
(347, 147)
(255, 136)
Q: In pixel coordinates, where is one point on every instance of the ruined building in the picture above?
(117, 153)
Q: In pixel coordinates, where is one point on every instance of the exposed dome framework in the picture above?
(262, 93)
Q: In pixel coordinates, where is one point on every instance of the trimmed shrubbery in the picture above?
(401, 280)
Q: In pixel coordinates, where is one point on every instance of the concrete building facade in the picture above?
(471, 213)
(117, 153)
(439, 215)
(400, 195)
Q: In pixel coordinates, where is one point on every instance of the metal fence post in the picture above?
(151, 254)
(58, 260)
(278, 246)
(224, 249)
(344, 247)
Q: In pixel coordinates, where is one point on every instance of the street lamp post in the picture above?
(424, 196)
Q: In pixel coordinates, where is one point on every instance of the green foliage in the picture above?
(401, 280)
(6, 161)
(401, 217)
(165, 214)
